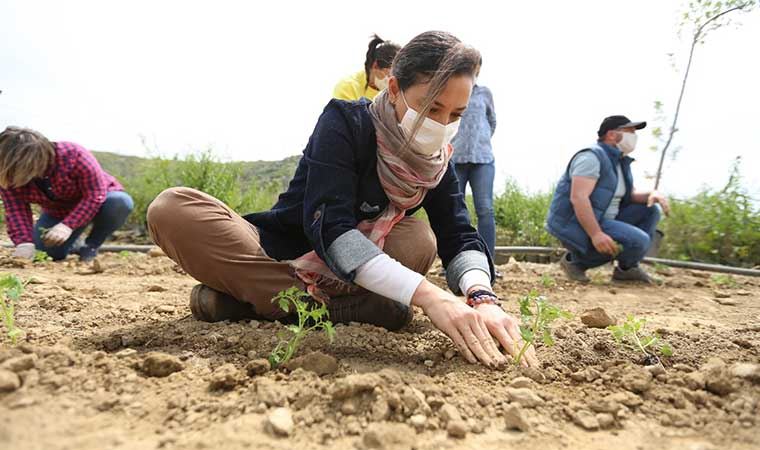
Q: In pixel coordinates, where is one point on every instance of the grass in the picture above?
(11, 288)
(724, 280)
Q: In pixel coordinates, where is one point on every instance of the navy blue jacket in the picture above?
(336, 186)
(562, 221)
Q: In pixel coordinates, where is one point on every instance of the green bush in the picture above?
(720, 226)
(520, 217)
(203, 172)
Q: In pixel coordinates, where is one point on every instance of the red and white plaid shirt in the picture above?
(79, 186)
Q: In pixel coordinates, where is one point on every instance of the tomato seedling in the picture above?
(310, 318)
(536, 315)
(631, 335)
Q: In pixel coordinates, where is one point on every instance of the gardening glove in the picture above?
(25, 250)
(57, 235)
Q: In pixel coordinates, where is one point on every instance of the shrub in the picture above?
(520, 217)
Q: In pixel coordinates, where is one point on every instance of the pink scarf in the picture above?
(405, 175)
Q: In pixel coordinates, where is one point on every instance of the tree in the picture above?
(700, 18)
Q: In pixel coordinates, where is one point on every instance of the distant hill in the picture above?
(124, 167)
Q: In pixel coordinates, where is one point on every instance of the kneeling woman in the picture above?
(67, 182)
(343, 229)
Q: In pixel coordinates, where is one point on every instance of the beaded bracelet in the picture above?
(482, 296)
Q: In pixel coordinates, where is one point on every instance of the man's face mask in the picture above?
(628, 143)
(432, 136)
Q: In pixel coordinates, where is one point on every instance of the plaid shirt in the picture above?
(79, 187)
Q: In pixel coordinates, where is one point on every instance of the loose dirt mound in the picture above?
(112, 359)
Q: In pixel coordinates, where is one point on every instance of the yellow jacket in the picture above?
(354, 87)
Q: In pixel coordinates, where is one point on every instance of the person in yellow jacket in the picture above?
(374, 78)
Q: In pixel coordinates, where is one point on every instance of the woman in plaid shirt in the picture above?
(68, 183)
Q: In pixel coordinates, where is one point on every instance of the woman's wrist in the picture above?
(477, 297)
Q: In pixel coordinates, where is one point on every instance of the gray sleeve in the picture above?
(585, 164)
(463, 262)
(351, 250)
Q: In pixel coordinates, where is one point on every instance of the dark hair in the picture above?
(433, 57)
(381, 52)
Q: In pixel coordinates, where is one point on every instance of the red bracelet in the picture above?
(481, 297)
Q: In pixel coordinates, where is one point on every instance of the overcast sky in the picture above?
(250, 78)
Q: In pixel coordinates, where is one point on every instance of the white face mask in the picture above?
(432, 136)
(628, 143)
(381, 83)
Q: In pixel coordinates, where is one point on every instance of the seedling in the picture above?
(724, 280)
(10, 291)
(631, 335)
(40, 257)
(548, 281)
(124, 254)
(619, 249)
(310, 318)
(536, 315)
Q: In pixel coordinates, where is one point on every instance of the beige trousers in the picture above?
(220, 249)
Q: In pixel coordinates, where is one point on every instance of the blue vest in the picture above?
(562, 222)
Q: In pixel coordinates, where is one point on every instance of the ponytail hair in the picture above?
(381, 52)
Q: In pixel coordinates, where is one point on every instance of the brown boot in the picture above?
(372, 309)
(209, 305)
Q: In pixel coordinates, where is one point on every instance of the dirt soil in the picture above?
(112, 359)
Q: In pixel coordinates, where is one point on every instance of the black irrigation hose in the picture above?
(549, 251)
(650, 260)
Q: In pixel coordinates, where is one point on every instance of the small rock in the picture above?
(389, 436)
(156, 288)
(717, 377)
(254, 324)
(157, 364)
(637, 380)
(280, 422)
(521, 382)
(655, 369)
(257, 367)
(524, 397)
(224, 378)
(429, 363)
(588, 374)
(19, 363)
(165, 309)
(605, 420)
(127, 352)
(605, 405)
(625, 398)
(316, 362)
(156, 252)
(457, 429)
(418, 421)
(721, 294)
(449, 354)
(449, 413)
(380, 410)
(485, 400)
(747, 371)
(726, 301)
(586, 420)
(514, 419)
(596, 318)
(9, 381)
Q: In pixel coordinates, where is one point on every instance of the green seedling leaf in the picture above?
(631, 335)
(11, 288)
(537, 314)
(310, 318)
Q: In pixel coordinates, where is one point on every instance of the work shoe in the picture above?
(370, 308)
(633, 274)
(87, 253)
(572, 270)
(209, 305)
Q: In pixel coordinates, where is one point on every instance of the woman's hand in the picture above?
(506, 329)
(465, 326)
